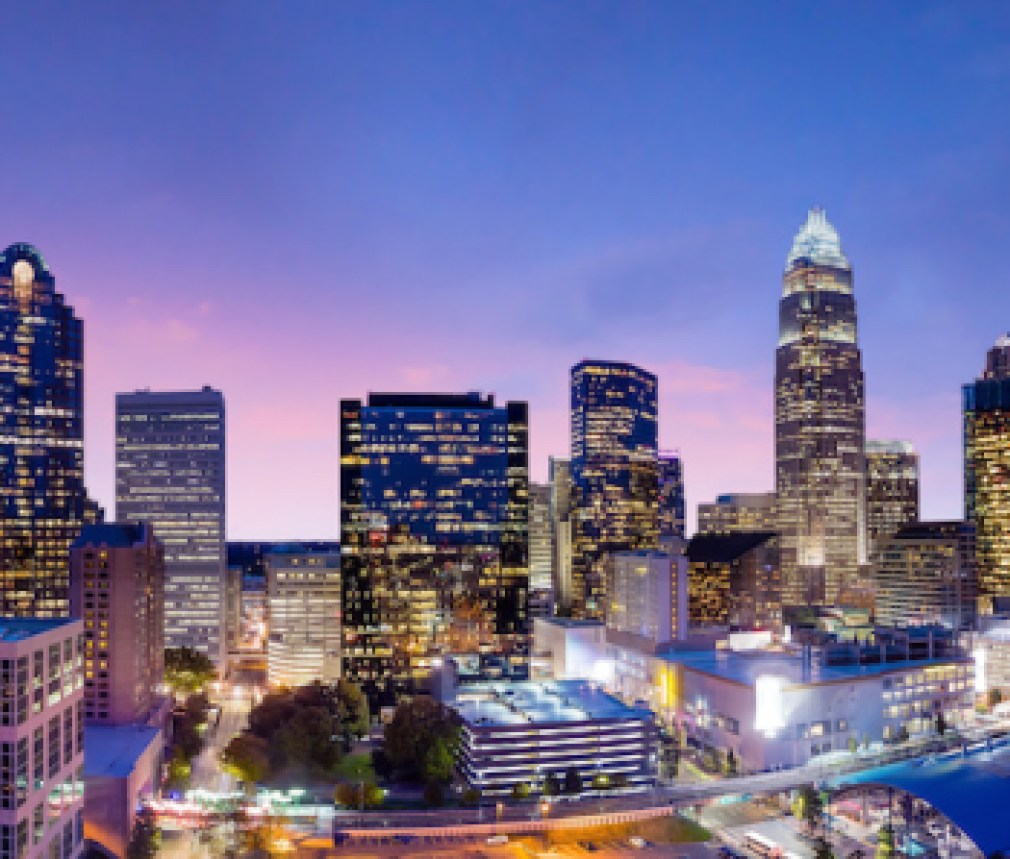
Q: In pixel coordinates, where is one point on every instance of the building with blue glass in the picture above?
(433, 536)
(43, 502)
(614, 473)
(671, 494)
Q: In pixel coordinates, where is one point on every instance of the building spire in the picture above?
(817, 241)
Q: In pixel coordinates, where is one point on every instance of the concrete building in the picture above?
(892, 489)
(741, 511)
(820, 424)
(926, 574)
(734, 581)
(170, 473)
(303, 611)
(615, 473)
(525, 732)
(561, 532)
(41, 738)
(117, 586)
(41, 436)
(647, 595)
(568, 648)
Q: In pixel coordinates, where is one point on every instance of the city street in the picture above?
(207, 773)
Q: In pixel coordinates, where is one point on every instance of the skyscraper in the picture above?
(986, 470)
(561, 531)
(820, 465)
(42, 439)
(170, 472)
(615, 474)
(892, 489)
(671, 494)
(740, 511)
(433, 537)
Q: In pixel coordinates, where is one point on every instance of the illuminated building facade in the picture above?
(434, 537)
(986, 404)
(561, 531)
(741, 511)
(820, 465)
(42, 446)
(615, 473)
(926, 575)
(303, 608)
(117, 573)
(892, 489)
(170, 473)
(734, 581)
(671, 494)
(647, 595)
(541, 549)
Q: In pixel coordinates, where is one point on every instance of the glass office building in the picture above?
(820, 427)
(671, 494)
(986, 466)
(434, 537)
(615, 473)
(170, 472)
(892, 489)
(42, 440)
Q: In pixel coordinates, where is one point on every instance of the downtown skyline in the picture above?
(295, 251)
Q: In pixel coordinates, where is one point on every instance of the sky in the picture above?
(298, 202)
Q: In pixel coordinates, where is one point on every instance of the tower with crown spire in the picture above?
(820, 426)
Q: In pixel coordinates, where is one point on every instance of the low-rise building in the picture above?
(524, 732)
(41, 738)
(647, 595)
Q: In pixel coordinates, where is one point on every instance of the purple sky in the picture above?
(298, 202)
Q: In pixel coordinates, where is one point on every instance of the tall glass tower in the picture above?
(820, 426)
(615, 473)
(42, 497)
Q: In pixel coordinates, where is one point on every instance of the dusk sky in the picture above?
(302, 201)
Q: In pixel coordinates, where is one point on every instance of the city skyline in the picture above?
(605, 207)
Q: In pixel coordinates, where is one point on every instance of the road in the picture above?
(207, 773)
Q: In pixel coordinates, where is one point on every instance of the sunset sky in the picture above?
(298, 202)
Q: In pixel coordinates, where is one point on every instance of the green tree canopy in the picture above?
(187, 671)
(573, 781)
(247, 758)
(416, 727)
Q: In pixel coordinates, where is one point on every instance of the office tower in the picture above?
(42, 738)
(303, 605)
(232, 612)
(671, 494)
(926, 574)
(433, 537)
(41, 443)
(820, 466)
(561, 532)
(892, 488)
(986, 463)
(734, 580)
(541, 551)
(615, 475)
(117, 575)
(740, 511)
(647, 595)
(170, 472)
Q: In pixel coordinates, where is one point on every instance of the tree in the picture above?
(994, 697)
(145, 839)
(822, 849)
(414, 729)
(885, 842)
(731, 763)
(552, 785)
(941, 724)
(352, 711)
(439, 761)
(178, 770)
(573, 781)
(247, 757)
(470, 797)
(808, 806)
(434, 794)
(852, 745)
(187, 670)
(520, 790)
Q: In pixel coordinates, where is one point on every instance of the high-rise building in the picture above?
(433, 537)
(117, 573)
(170, 472)
(986, 466)
(42, 738)
(741, 511)
(892, 489)
(647, 595)
(734, 580)
(926, 574)
(541, 548)
(671, 494)
(561, 532)
(820, 464)
(303, 607)
(615, 474)
(42, 438)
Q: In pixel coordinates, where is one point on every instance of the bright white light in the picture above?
(768, 711)
(603, 672)
(978, 654)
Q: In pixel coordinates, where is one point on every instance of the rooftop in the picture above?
(114, 535)
(725, 548)
(746, 667)
(13, 629)
(113, 752)
(503, 704)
